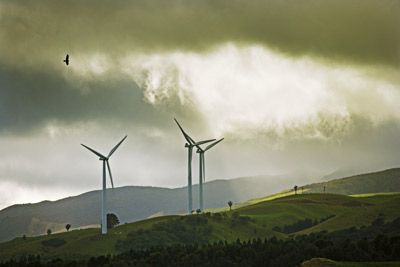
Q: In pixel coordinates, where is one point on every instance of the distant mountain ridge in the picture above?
(340, 173)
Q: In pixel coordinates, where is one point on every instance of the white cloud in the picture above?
(251, 87)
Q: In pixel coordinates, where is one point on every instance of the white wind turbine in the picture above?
(103, 198)
(190, 143)
(202, 170)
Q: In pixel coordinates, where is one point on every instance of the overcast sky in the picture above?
(310, 86)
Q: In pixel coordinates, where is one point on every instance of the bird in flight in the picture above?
(66, 60)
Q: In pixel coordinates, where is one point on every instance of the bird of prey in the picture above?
(66, 60)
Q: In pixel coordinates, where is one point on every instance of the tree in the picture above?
(24, 237)
(198, 211)
(295, 189)
(67, 227)
(230, 204)
(49, 231)
(112, 220)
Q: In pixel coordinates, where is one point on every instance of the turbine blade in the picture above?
(187, 137)
(109, 172)
(213, 144)
(202, 142)
(204, 168)
(94, 151)
(115, 148)
(205, 141)
(192, 142)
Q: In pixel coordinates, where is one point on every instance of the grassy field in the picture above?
(319, 262)
(348, 211)
(246, 222)
(385, 181)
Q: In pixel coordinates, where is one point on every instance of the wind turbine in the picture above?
(190, 143)
(202, 169)
(103, 195)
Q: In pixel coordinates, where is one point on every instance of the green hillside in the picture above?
(362, 185)
(374, 182)
(325, 211)
(320, 262)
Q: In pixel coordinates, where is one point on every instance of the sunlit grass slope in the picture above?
(385, 181)
(345, 211)
(320, 262)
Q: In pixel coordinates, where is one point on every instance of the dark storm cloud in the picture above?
(29, 100)
(365, 31)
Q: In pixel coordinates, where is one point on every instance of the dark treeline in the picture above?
(377, 242)
(300, 225)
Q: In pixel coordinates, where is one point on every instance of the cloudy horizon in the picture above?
(293, 86)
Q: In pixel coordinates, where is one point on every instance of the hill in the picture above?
(380, 182)
(321, 262)
(374, 182)
(131, 203)
(282, 218)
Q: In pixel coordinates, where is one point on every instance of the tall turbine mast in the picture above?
(202, 170)
(190, 143)
(103, 193)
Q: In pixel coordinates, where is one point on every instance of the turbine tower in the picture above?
(202, 170)
(103, 195)
(190, 143)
